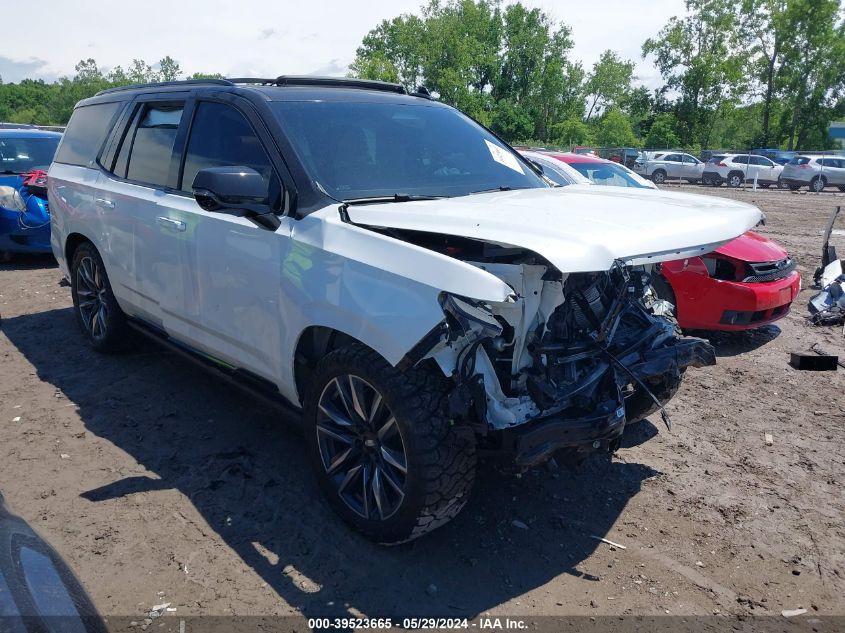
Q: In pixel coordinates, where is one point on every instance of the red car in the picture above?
(744, 284)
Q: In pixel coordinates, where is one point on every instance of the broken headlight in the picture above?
(472, 318)
(11, 199)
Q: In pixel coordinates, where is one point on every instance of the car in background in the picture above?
(707, 176)
(814, 172)
(747, 283)
(555, 170)
(24, 212)
(661, 167)
(779, 156)
(582, 149)
(602, 172)
(736, 169)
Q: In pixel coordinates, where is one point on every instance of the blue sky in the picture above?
(272, 37)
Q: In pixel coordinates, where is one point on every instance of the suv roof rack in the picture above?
(333, 82)
(163, 84)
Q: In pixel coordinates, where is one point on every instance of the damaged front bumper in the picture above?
(656, 375)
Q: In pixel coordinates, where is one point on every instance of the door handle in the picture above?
(170, 223)
(104, 203)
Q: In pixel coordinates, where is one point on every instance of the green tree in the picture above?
(168, 69)
(698, 58)
(614, 130)
(662, 135)
(573, 132)
(609, 82)
(813, 71)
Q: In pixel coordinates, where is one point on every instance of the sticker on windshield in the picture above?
(503, 157)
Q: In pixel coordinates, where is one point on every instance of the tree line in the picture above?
(735, 74)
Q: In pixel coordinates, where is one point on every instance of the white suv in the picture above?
(736, 169)
(380, 263)
(663, 166)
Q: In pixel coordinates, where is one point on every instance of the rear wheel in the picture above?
(388, 459)
(782, 184)
(735, 179)
(100, 318)
(659, 176)
(818, 184)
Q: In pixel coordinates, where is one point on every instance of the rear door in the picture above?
(226, 297)
(673, 165)
(143, 168)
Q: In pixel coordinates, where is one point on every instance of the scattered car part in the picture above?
(813, 361)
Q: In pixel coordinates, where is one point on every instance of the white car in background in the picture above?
(555, 170)
(735, 169)
(814, 172)
(663, 166)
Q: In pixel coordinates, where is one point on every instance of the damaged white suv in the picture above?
(382, 263)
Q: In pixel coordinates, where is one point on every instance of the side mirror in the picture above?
(236, 190)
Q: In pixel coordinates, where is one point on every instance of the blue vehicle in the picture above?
(24, 215)
(779, 156)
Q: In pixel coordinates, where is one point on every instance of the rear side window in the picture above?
(147, 147)
(86, 131)
(221, 136)
(799, 160)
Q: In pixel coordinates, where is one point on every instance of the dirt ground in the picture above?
(157, 482)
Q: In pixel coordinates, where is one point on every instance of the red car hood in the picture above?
(752, 247)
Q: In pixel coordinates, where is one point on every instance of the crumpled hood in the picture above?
(578, 228)
(753, 247)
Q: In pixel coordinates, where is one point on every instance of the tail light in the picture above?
(720, 164)
(804, 166)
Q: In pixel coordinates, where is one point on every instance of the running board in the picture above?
(245, 380)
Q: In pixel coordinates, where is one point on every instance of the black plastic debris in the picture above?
(813, 361)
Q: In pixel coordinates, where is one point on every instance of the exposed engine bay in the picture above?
(567, 360)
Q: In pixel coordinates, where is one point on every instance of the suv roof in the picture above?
(282, 88)
(28, 132)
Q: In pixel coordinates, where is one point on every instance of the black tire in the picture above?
(694, 181)
(793, 187)
(707, 180)
(97, 312)
(658, 177)
(782, 185)
(735, 179)
(818, 184)
(841, 187)
(439, 458)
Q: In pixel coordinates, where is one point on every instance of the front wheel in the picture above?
(100, 318)
(658, 177)
(388, 459)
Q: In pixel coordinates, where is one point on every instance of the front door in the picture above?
(226, 298)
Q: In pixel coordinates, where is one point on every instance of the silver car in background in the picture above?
(814, 172)
(663, 166)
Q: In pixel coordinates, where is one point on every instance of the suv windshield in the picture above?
(360, 150)
(20, 155)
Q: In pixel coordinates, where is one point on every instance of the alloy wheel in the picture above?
(361, 447)
(90, 291)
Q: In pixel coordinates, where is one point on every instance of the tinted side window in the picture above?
(221, 136)
(674, 158)
(86, 131)
(152, 145)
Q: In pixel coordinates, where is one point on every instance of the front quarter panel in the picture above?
(377, 289)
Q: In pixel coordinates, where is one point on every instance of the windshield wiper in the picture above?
(396, 197)
(500, 188)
